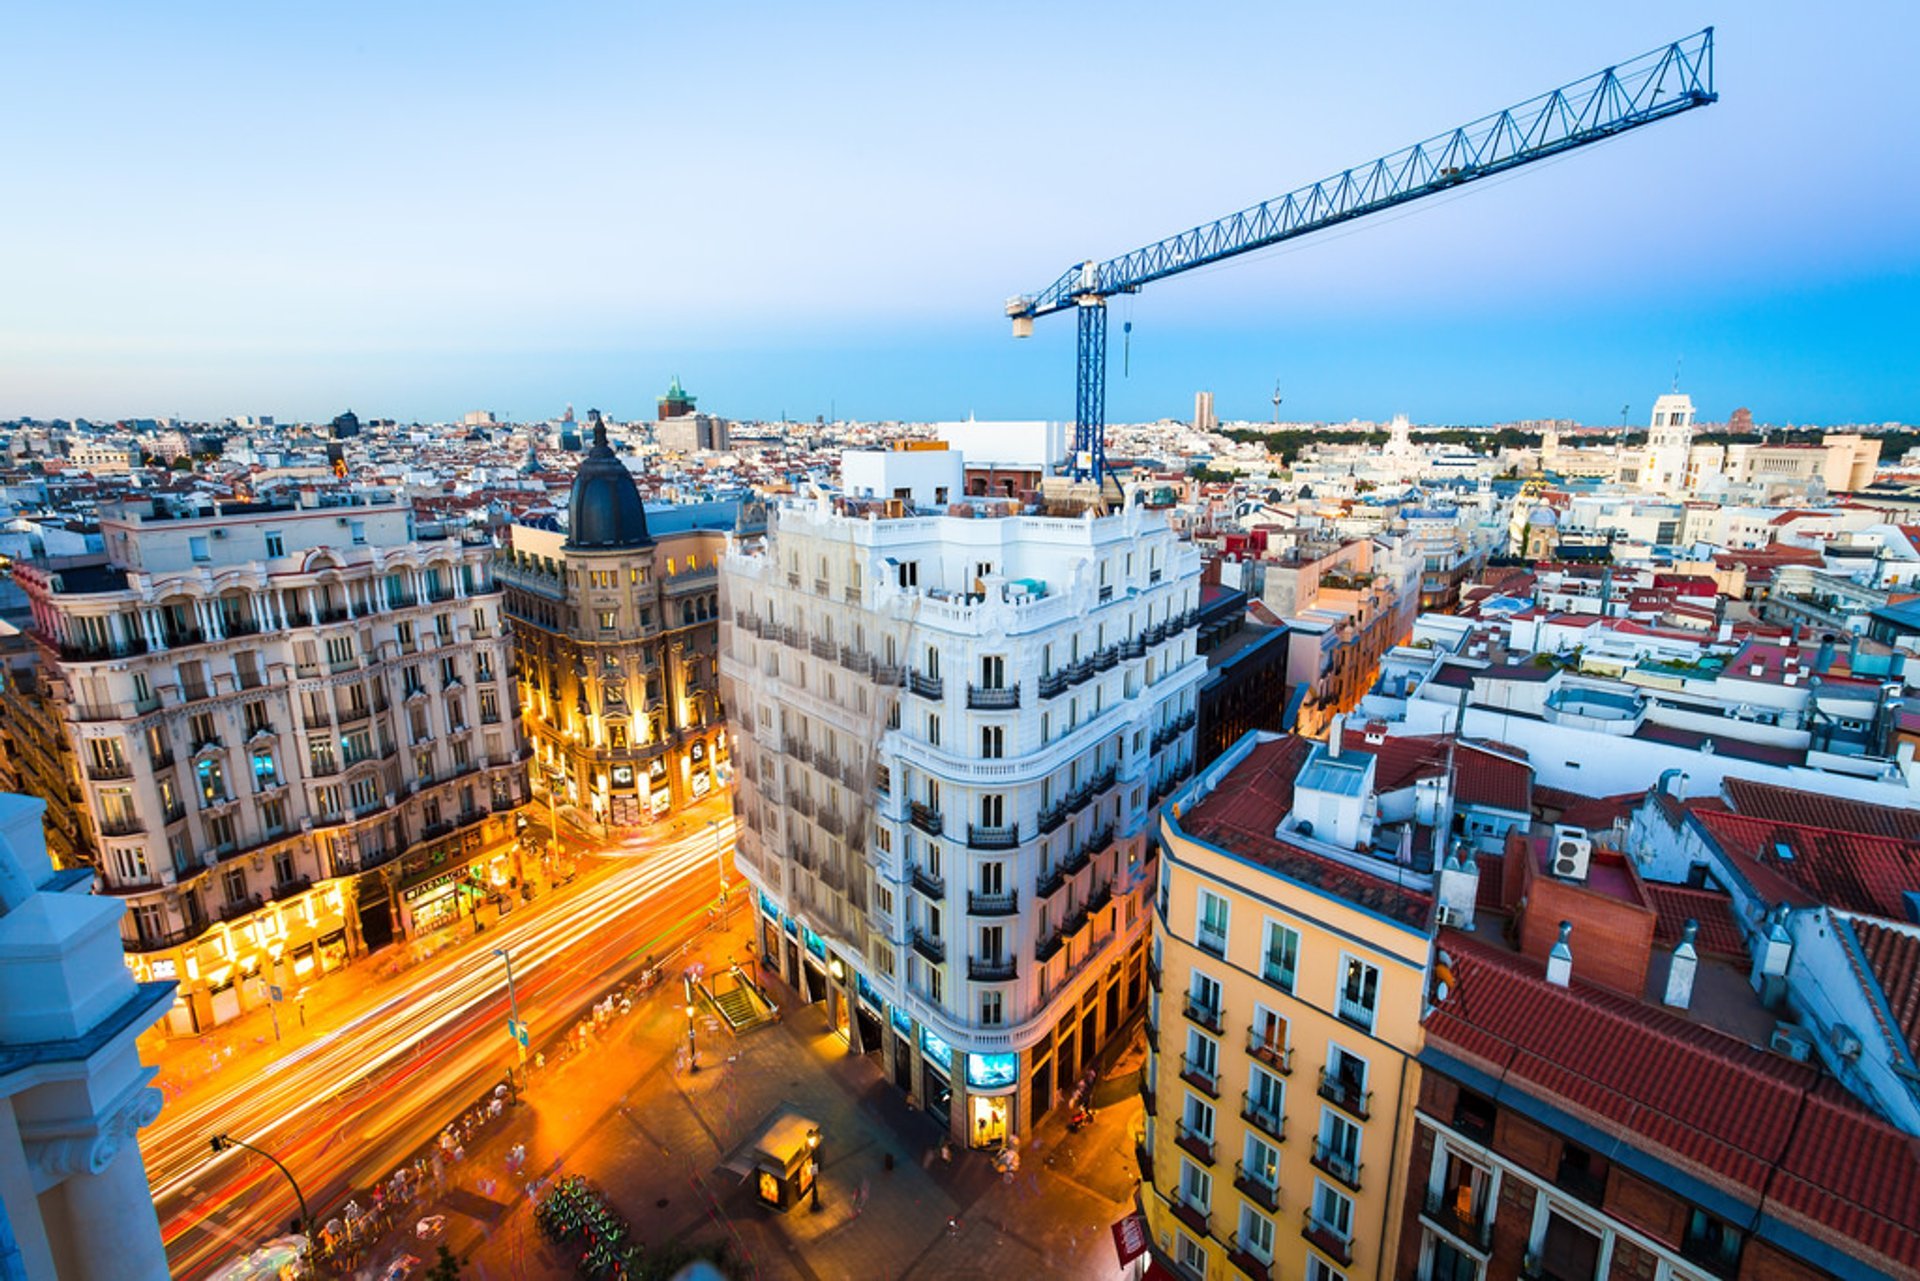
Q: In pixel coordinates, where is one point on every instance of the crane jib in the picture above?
(1654, 86)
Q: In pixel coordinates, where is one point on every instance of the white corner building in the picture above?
(954, 720)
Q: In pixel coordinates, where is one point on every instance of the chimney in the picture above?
(1853, 650)
(1560, 959)
(1774, 950)
(1679, 993)
(1333, 738)
(1824, 659)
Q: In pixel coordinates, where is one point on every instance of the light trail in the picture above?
(365, 1092)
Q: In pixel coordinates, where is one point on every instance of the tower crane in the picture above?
(1661, 83)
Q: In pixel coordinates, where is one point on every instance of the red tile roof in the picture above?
(1719, 933)
(1817, 809)
(1892, 955)
(1244, 810)
(1767, 1129)
(1847, 870)
(1484, 775)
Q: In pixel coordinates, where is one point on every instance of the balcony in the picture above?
(1345, 1095)
(1261, 1190)
(927, 883)
(1251, 1264)
(1195, 1217)
(1134, 648)
(1153, 973)
(1206, 1015)
(234, 911)
(1101, 896)
(1045, 949)
(124, 825)
(1323, 1237)
(1338, 1164)
(289, 889)
(992, 838)
(1581, 1183)
(1053, 684)
(1273, 1055)
(1200, 1076)
(1078, 673)
(1050, 882)
(1263, 1118)
(926, 818)
(1051, 817)
(1475, 1230)
(1194, 1144)
(926, 686)
(933, 949)
(1355, 1013)
(160, 940)
(1149, 1100)
(1211, 940)
(993, 699)
(103, 771)
(979, 904)
(992, 969)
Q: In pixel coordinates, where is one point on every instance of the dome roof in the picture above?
(604, 513)
(1543, 516)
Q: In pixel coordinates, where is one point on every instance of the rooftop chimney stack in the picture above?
(1333, 738)
(1679, 993)
(1560, 959)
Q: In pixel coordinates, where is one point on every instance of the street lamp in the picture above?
(513, 1010)
(221, 1142)
(719, 867)
(693, 1053)
(813, 1167)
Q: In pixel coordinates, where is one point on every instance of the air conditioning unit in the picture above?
(1443, 915)
(1571, 854)
(1846, 1042)
(219, 533)
(1792, 1040)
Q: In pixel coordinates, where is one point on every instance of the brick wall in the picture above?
(1612, 939)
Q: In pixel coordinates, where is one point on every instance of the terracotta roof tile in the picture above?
(1848, 870)
(1817, 809)
(1719, 933)
(1892, 955)
(1775, 1130)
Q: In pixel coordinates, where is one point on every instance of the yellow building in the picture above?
(1290, 970)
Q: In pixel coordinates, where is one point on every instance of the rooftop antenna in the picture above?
(1624, 411)
(1677, 362)
(1276, 403)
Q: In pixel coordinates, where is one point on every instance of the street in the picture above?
(378, 1073)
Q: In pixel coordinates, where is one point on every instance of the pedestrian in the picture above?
(946, 1151)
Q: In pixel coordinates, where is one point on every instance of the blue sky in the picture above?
(419, 209)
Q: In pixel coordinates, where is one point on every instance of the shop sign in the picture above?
(992, 1071)
(867, 992)
(657, 769)
(698, 752)
(903, 1020)
(702, 784)
(163, 968)
(623, 776)
(439, 882)
(767, 904)
(1130, 1237)
(815, 944)
(659, 802)
(936, 1048)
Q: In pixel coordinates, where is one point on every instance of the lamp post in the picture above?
(693, 1053)
(813, 1167)
(221, 1142)
(719, 867)
(513, 1009)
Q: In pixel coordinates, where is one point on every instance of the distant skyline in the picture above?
(415, 212)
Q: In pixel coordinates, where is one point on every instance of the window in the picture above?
(933, 729)
(1332, 1210)
(1568, 1251)
(990, 1009)
(1337, 1150)
(1198, 1118)
(265, 773)
(234, 885)
(1211, 929)
(1359, 991)
(993, 741)
(993, 811)
(1261, 1161)
(1203, 1056)
(213, 781)
(1266, 1094)
(273, 815)
(1203, 996)
(907, 573)
(358, 530)
(1712, 1242)
(1319, 1269)
(256, 717)
(1256, 1233)
(993, 672)
(276, 543)
(1196, 1186)
(282, 868)
(197, 545)
(220, 831)
(130, 863)
(1192, 1256)
(1280, 958)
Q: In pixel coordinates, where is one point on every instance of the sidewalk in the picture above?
(653, 1137)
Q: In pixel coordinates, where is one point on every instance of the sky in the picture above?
(416, 210)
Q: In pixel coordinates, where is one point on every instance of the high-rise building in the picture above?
(1663, 467)
(616, 628)
(676, 402)
(292, 733)
(955, 723)
(1203, 419)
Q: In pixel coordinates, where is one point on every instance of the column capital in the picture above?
(92, 1149)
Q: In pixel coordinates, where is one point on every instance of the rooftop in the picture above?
(1244, 810)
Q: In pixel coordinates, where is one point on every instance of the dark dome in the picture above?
(605, 512)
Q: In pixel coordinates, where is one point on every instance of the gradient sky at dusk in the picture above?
(415, 210)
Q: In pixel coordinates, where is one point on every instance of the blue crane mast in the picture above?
(1661, 83)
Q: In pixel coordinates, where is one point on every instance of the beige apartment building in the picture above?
(293, 736)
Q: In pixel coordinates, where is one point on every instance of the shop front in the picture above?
(624, 796)
(442, 899)
(938, 1075)
(993, 1081)
(659, 791)
(699, 770)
